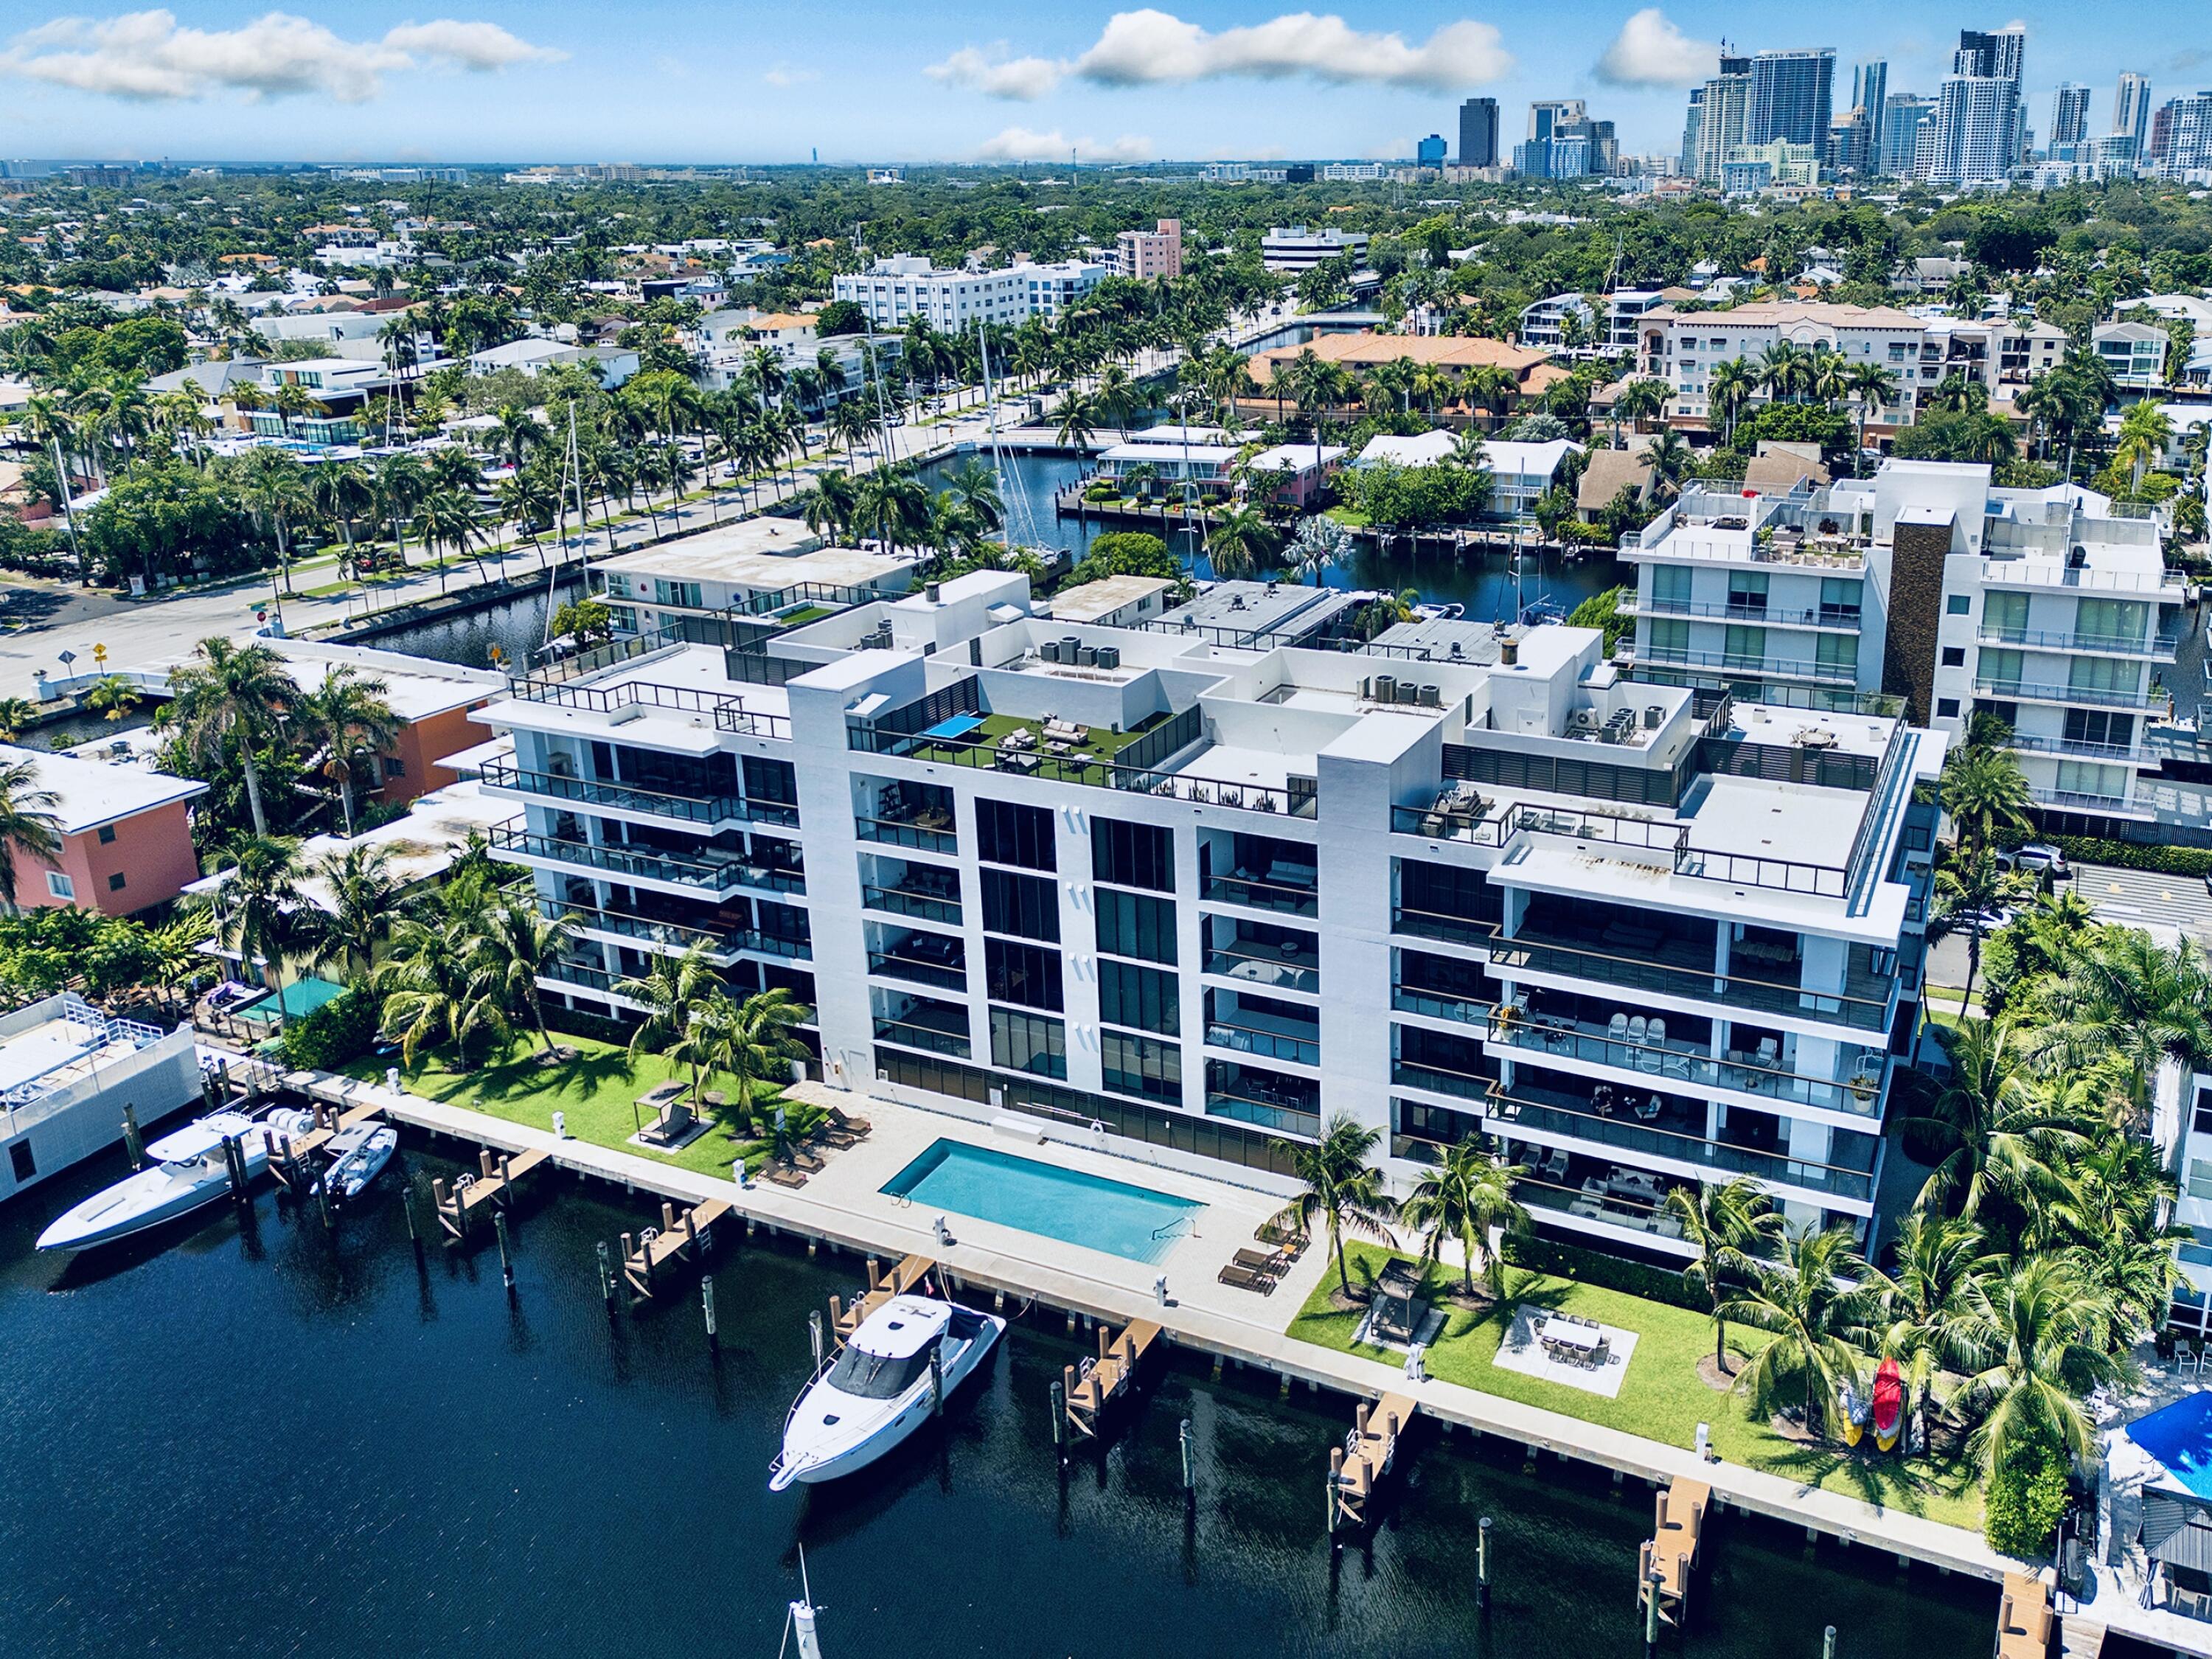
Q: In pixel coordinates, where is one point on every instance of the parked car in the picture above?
(1992, 920)
(2037, 856)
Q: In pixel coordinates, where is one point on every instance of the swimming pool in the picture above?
(1134, 1223)
(2181, 1437)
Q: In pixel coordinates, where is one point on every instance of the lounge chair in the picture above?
(783, 1174)
(858, 1127)
(1245, 1278)
(676, 1119)
(1262, 1262)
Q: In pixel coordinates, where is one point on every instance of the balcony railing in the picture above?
(575, 973)
(1268, 1114)
(2075, 800)
(1857, 1090)
(894, 832)
(1266, 968)
(673, 934)
(1730, 662)
(940, 974)
(1471, 931)
(920, 1036)
(690, 809)
(2106, 645)
(2034, 691)
(922, 907)
(2087, 751)
(1523, 1107)
(1513, 957)
(1769, 616)
(1264, 895)
(1437, 1079)
(1435, 1004)
(1268, 1045)
(720, 877)
(725, 709)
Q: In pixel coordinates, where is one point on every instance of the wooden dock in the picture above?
(1665, 1561)
(289, 1154)
(1107, 1378)
(677, 1239)
(460, 1204)
(1367, 1454)
(910, 1273)
(2024, 1621)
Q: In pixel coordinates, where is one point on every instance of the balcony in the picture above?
(580, 976)
(2100, 697)
(718, 875)
(1436, 1004)
(933, 837)
(1839, 618)
(1264, 1028)
(2118, 753)
(936, 959)
(726, 710)
(717, 942)
(1254, 891)
(922, 903)
(1675, 1130)
(1273, 1100)
(2156, 647)
(1760, 667)
(1474, 932)
(684, 809)
(2073, 800)
(923, 1023)
(1641, 1046)
(1287, 968)
(1607, 1200)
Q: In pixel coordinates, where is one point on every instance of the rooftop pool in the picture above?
(1134, 1222)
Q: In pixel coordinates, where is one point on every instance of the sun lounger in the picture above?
(858, 1127)
(676, 1119)
(1244, 1279)
(1262, 1262)
(783, 1174)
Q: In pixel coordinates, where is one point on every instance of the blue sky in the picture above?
(886, 80)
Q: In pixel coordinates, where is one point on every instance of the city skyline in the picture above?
(502, 81)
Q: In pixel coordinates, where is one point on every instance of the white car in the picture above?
(2037, 857)
(1990, 920)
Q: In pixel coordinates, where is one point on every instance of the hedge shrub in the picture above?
(2027, 1496)
(341, 1030)
(2137, 855)
(1545, 1255)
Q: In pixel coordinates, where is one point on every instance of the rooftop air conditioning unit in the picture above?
(1386, 688)
(1432, 697)
(1049, 651)
(1408, 691)
(1069, 646)
(1110, 656)
(1087, 655)
(1654, 717)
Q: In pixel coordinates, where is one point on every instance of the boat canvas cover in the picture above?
(900, 1328)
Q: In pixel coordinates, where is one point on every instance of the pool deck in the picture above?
(841, 1206)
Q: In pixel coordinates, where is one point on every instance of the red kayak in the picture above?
(1888, 1404)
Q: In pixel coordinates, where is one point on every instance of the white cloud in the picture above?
(1650, 52)
(783, 75)
(1154, 48)
(1022, 144)
(146, 55)
(997, 74)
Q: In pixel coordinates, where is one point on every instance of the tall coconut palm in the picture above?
(1726, 1224)
(832, 506)
(2140, 1002)
(1337, 1184)
(28, 824)
(1918, 1304)
(1966, 891)
(277, 495)
(2145, 431)
(401, 483)
(1985, 792)
(364, 898)
(514, 945)
(430, 996)
(675, 994)
(1805, 1303)
(2031, 1337)
(258, 911)
(1728, 389)
(1463, 1199)
(2002, 1136)
(230, 696)
(344, 723)
(751, 1043)
(1077, 419)
(1869, 386)
(1241, 541)
(449, 519)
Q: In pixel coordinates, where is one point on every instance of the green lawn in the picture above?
(1103, 744)
(1662, 1398)
(596, 1094)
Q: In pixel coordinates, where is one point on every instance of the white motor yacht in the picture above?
(877, 1391)
(358, 1156)
(185, 1171)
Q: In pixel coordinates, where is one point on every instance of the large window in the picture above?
(1029, 1042)
(2090, 778)
(1140, 1066)
(2100, 725)
(1009, 834)
(1747, 591)
(1837, 653)
(1025, 905)
(1133, 925)
(1840, 598)
(1747, 647)
(1670, 637)
(2094, 674)
(1022, 972)
(1670, 586)
(1132, 854)
(1142, 997)
(770, 780)
(2005, 614)
(2120, 621)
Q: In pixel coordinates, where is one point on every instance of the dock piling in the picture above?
(1060, 1420)
(1482, 1564)
(506, 1262)
(1335, 1481)
(707, 1302)
(606, 1275)
(1828, 1643)
(1185, 1443)
(133, 1142)
(1656, 1581)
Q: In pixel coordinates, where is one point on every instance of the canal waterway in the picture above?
(255, 1437)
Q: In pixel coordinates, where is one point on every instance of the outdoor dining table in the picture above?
(1567, 1333)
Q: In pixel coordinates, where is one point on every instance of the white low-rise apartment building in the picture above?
(896, 292)
(1297, 248)
(1520, 471)
(1928, 588)
(1194, 899)
(1543, 324)
(767, 567)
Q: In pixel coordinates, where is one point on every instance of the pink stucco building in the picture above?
(125, 831)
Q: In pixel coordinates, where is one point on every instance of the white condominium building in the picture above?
(1300, 249)
(896, 292)
(1926, 589)
(1196, 898)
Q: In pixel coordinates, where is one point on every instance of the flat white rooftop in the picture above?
(1757, 818)
(1810, 728)
(94, 791)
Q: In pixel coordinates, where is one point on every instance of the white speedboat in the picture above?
(185, 1171)
(358, 1156)
(877, 1391)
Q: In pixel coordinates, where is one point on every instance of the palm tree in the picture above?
(832, 507)
(27, 822)
(1985, 791)
(1671, 459)
(429, 995)
(1077, 419)
(1869, 386)
(276, 493)
(344, 720)
(1338, 1184)
(2145, 431)
(401, 483)
(113, 695)
(230, 694)
(517, 943)
(674, 994)
(16, 714)
(751, 1042)
(449, 519)
(260, 914)
(1464, 1198)
(2140, 1003)
(2005, 1136)
(1803, 1305)
(1966, 891)
(364, 895)
(1640, 400)
(1726, 1225)
(1919, 1303)
(2031, 1336)
(976, 487)
(1241, 541)
(1728, 389)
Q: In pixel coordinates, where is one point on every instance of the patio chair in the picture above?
(1262, 1262)
(783, 1174)
(1656, 1033)
(676, 1119)
(1247, 1279)
(1636, 1027)
(1617, 1028)
(858, 1127)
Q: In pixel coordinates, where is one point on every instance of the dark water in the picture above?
(1486, 584)
(516, 626)
(261, 1439)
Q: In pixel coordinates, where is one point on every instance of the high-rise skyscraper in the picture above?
(1430, 151)
(1478, 133)
(1870, 86)
(1997, 56)
(1792, 97)
(1727, 114)
(1548, 114)
(1903, 115)
(2070, 118)
(1980, 123)
(1693, 126)
(2131, 107)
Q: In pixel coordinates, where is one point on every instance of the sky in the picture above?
(887, 81)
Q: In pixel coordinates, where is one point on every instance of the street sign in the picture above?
(100, 655)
